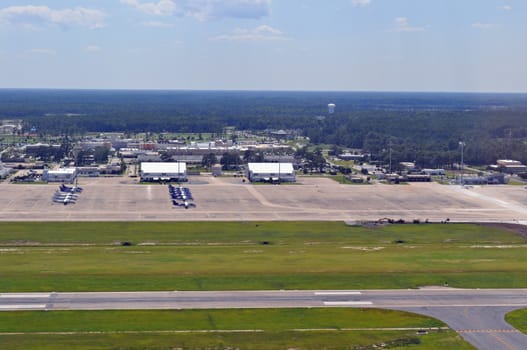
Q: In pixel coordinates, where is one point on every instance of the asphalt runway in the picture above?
(230, 199)
(477, 314)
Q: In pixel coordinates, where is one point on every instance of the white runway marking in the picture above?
(345, 303)
(23, 307)
(337, 293)
(15, 295)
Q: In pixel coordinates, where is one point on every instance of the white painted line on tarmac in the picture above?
(337, 293)
(30, 295)
(23, 307)
(453, 305)
(346, 303)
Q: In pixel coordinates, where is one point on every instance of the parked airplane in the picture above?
(185, 204)
(65, 198)
(183, 194)
(180, 192)
(74, 189)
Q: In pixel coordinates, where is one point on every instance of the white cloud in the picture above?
(203, 10)
(505, 7)
(42, 51)
(161, 8)
(39, 15)
(360, 3)
(401, 25)
(157, 24)
(207, 9)
(482, 26)
(260, 33)
(92, 48)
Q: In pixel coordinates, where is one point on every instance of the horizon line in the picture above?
(270, 90)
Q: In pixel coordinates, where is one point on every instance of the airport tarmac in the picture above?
(230, 199)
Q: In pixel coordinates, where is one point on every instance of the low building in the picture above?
(509, 166)
(90, 171)
(353, 157)
(408, 166)
(514, 169)
(189, 158)
(474, 180)
(163, 171)
(496, 179)
(149, 157)
(4, 171)
(65, 175)
(507, 162)
(434, 172)
(216, 170)
(271, 172)
(417, 178)
(355, 179)
(274, 158)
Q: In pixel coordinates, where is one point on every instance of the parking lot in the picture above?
(221, 199)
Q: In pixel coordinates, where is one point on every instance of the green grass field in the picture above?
(266, 255)
(315, 328)
(518, 319)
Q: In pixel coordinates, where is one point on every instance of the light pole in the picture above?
(462, 144)
(279, 159)
(178, 171)
(390, 156)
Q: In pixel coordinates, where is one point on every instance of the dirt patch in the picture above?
(514, 228)
(364, 249)
(498, 246)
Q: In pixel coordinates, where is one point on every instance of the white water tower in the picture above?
(331, 108)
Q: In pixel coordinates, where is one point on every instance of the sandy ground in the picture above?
(222, 199)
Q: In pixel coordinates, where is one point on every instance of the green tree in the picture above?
(209, 160)
(100, 154)
(251, 156)
(230, 160)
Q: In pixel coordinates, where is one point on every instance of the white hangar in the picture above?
(271, 172)
(65, 175)
(163, 171)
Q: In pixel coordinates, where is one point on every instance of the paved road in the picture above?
(476, 314)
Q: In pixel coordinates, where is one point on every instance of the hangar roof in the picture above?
(271, 168)
(163, 167)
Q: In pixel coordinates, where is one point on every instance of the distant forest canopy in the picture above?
(421, 127)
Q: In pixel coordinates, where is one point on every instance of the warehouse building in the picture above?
(163, 171)
(65, 175)
(271, 172)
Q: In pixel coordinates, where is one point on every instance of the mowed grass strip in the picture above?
(518, 319)
(268, 340)
(60, 233)
(213, 319)
(266, 329)
(268, 255)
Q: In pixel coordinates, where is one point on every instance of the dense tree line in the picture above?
(425, 128)
(429, 138)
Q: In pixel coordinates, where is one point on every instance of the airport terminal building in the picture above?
(271, 172)
(163, 171)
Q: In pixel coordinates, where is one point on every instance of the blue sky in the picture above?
(356, 45)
